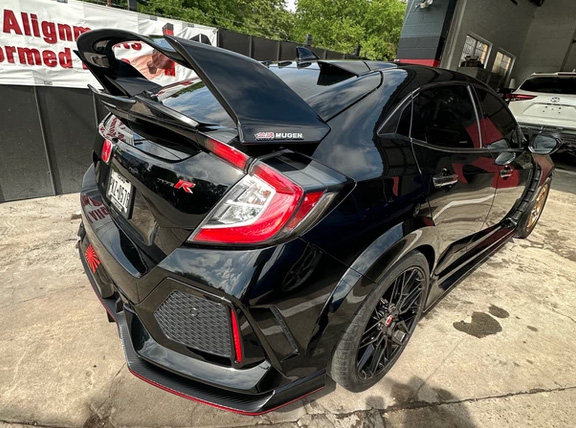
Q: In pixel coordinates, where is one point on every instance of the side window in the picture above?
(399, 123)
(445, 117)
(404, 122)
(496, 121)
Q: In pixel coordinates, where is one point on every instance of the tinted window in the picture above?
(193, 99)
(445, 117)
(404, 122)
(399, 123)
(496, 121)
(551, 85)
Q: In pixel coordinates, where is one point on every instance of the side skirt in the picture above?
(478, 255)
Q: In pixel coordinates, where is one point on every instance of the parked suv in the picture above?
(546, 102)
(266, 225)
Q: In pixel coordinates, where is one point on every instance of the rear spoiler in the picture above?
(263, 107)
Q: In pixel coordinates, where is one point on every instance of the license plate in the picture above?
(120, 192)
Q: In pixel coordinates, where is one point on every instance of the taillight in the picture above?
(228, 153)
(261, 206)
(106, 151)
(518, 97)
(266, 205)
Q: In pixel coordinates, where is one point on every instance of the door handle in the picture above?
(506, 172)
(444, 180)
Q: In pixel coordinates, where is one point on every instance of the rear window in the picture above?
(551, 85)
(193, 99)
(328, 90)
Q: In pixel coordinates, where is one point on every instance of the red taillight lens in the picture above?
(228, 153)
(309, 202)
(236, 336)
(254, 211)
(518, 97)
(258, 208)
(106, 151)
(262, 206)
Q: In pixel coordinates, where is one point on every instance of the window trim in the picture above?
(409, 100)
(472, 96)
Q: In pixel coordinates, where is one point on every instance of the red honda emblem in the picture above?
(187, 186)
(106, 151)
(388, 320)
(92, 258)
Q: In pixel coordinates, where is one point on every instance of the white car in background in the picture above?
(546, 102)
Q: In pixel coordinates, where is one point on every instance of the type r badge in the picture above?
(187, 186)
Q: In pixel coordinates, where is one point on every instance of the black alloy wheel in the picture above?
(383, 325)
(391, 324)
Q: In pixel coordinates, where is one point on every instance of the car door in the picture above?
(458, 172)
(501, 135)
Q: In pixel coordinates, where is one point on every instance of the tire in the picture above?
(354, 364)
(530, 218)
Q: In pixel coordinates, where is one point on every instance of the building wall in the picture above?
(540, 38)
(549, 41)
(501, 22)
(424, 32)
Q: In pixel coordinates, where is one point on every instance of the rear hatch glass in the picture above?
(551, 85)
(328, 90)
(193, 99)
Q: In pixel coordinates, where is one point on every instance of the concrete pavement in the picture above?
(497, 352)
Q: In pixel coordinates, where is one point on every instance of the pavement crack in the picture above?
(424, 404)
(101, 416)
(42, 296)
(15, 380)
(556, 311)
(34, 424)
(415, 393)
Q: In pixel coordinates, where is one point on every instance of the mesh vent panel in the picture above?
(195, 322)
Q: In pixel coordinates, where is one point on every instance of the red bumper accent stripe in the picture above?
(218, 406)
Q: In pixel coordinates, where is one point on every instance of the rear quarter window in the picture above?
(551, 85)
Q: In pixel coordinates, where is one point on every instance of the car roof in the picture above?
(399, 79)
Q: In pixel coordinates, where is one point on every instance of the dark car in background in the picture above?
(266, 225)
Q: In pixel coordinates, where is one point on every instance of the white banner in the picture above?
(38, 37)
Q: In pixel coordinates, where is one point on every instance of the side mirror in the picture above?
(542, 144)
(504, 158)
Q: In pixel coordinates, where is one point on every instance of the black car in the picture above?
(266, 225)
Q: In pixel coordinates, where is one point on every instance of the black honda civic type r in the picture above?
(265, 225)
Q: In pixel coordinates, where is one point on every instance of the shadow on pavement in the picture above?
(411, 411)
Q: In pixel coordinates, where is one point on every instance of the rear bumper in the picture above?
(147, 360)
(567, 136)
